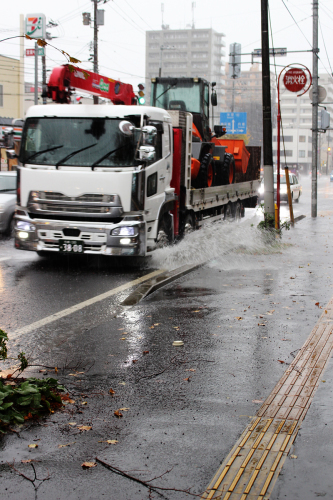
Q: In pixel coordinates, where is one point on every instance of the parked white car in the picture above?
(295, 188)
(7, 201)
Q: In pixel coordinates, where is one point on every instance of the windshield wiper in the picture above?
(6, 190)
(72, 154)
(43, 151)
(172, 86)
(107, 154)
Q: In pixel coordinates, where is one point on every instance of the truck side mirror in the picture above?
(213, 98)
(147, 153)
(149, 135)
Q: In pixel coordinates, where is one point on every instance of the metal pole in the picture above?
(160, 68)
(328, 150)
(36, 73)
(95, 45)
(233, 96)
(44, 75)
(314, 110)
(266, 114)
(278, 157)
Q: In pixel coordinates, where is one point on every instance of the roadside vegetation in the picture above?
(23, 399)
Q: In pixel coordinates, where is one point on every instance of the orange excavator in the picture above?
(215, 161)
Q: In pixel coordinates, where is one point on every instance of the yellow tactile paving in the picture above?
(253, 465)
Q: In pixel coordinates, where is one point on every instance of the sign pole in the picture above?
(36, 73)
(294, 80)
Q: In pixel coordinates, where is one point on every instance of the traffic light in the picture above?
(141, 94)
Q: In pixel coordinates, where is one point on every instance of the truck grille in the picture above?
(51, 204)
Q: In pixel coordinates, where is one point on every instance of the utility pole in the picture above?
(95, 45)
(267, 114)
(315, 51)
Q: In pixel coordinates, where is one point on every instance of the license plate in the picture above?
(71, 246)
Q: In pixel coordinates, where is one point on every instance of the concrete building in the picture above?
(190, 53)
(11, 88)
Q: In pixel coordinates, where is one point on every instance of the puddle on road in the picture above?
(220, 242)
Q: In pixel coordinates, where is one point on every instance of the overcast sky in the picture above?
(122, 39)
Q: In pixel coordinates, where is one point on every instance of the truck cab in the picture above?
(184, 94)
(93, 179)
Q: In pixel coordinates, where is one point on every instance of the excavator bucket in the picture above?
(237, 148)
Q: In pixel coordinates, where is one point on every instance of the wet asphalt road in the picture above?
(251, 305)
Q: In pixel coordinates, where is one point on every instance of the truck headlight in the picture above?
(25, 226)
(123, 231)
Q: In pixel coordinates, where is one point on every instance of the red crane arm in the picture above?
(64, 79)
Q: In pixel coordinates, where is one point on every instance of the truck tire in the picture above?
(206, 175)
(188, 225)
(226, 173)
(164, 232)
(228, 215)
(238, 211)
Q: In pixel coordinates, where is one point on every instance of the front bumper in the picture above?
(96, 239)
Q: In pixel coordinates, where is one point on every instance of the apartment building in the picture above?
(186, 53)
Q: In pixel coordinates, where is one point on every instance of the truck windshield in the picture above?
(184, 98)
(77, 142)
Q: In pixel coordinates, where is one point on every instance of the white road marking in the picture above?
(4, 258)
(86, 303)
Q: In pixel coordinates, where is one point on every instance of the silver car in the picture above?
(7, 202)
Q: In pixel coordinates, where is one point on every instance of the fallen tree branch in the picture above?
(144, 483)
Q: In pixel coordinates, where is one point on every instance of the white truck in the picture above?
(116, 179)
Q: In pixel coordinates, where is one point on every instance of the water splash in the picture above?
(219, 242)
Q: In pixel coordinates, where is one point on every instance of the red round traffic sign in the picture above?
(295, 79)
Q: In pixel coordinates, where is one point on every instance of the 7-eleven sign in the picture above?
(35, 25)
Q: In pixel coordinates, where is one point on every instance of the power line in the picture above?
(322, 36)
(296, 23)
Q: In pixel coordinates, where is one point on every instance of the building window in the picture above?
(201, 65)
(153, 55)
(309, 154)
(199, 55)
(1, 96)
(175, 65)
(301, 153)
(301, 138)
(309, 139)
(152, 65)
(174, 55)
(154, 46)
(172, 36)
(305, 120)
(283, 153)
(199, 45)
(154, 36)
(202, 34)
(287, 138)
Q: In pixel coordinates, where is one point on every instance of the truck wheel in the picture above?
(164, 232)
(226, 174)
(228, 212)
(238, 211)
(188, 224)
(206, 175)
